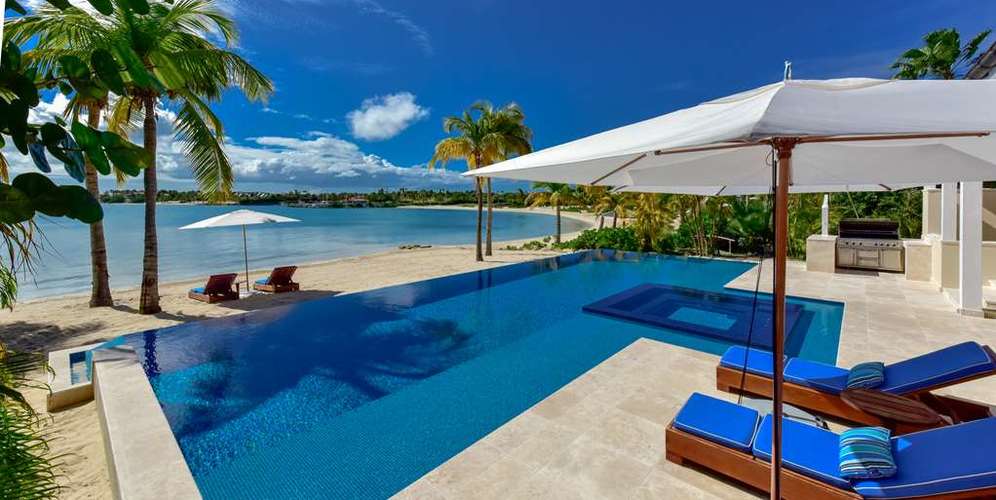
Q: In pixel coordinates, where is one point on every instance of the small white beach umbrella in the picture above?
(240, 218)
(793, 136)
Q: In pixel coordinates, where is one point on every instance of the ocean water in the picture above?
(64, 264)
(356, 396)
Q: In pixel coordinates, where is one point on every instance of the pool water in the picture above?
(357, 396)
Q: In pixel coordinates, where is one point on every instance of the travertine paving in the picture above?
(602, 435)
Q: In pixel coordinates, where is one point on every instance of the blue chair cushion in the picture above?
(263, 281)
(944, 460)
(806, 449)
(932, 369)
(756, 361)
(868, 375)
(866, 453)
(198, 289)
(717, 420)
(819, 376)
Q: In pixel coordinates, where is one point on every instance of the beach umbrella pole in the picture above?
(245, 253)
(783, 147)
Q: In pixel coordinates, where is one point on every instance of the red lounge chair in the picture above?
(279, 281)
(217, 289)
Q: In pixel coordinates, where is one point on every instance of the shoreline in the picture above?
(587, 219)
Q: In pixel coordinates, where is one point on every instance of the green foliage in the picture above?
(942, 56)
(27, 468)
(617, 238)
(380, 198)
(31, 192)
(685, 224)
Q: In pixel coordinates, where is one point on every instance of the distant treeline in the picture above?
(381, 198)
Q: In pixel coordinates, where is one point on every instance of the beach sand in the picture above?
(56, 323)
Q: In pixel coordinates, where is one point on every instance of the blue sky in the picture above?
(362, 85)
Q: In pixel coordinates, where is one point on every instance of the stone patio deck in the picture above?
(602, 435)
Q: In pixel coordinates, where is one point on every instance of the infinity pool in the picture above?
(357, 396)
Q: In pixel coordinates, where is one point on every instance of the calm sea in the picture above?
(322, 234)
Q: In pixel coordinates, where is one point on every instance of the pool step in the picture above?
(60, 380)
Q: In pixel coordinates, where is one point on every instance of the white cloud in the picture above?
(315, 160)
(299, 116)
(47, 111)
(418, 33)
(384, 117)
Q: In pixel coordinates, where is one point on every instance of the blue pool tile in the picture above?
(358, 395)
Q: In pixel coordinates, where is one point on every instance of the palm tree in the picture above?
(652, 216)
(942, 56)
(555, 195)
(51, 27)
(185, 70)
(610, 202)
(492, 135)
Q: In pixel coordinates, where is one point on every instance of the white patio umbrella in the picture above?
(791, 136)
(240, 218)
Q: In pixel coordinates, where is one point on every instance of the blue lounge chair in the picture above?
(818, 386)
(948, 462)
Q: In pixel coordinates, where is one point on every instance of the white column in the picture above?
(949, 211)
(825, 216)
(970, 258)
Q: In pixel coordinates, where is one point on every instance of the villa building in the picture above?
(957, 249)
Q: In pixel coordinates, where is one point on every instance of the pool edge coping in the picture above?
(144, 460)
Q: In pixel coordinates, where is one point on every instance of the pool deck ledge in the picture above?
(143, 458)
(602, 435)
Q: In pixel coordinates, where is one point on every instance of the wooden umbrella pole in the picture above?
(784, 148)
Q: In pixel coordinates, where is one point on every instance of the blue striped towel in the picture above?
(866, 453)
(866, 375)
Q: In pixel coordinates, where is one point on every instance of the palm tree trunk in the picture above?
(487, 247)
(556, 237)
(100, 290)
(149, 301)
(615, 218)
(601, 221)
(480, 215)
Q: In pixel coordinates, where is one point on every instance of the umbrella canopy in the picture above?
(803, 136)
(239, 218)
(725, 142)
(242, 218)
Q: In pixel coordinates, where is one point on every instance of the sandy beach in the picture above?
(56, 323)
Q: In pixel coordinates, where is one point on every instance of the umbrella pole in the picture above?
(245, 253)
(784, 148)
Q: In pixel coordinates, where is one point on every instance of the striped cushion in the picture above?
(866, 375)
(866, 453)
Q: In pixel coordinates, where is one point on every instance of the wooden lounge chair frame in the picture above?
(729, 380)
(682, 448)
(221, 296)
(271, 287)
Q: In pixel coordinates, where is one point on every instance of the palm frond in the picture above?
(122, 119)
(968, 52)
(200, 133)
(55, 28)
(453, 148)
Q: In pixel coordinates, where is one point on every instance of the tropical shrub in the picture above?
(616, 238)
(27, 468)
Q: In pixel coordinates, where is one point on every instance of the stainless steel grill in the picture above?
(869, 244)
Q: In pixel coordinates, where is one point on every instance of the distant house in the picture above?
(357, 202)
(985, 66)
